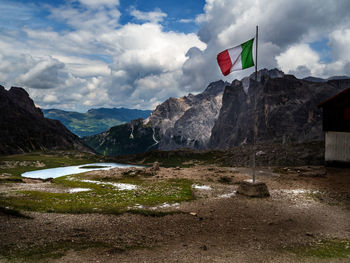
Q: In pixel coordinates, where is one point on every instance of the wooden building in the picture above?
(336, 125)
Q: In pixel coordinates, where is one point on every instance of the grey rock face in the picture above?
(286, 110)
(187, 122)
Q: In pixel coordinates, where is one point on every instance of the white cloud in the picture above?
(300, 56)
(285, 29)
(50, 98)
(96, 61)
(186, 20)
(339, 41)
(43, 73)
(99, 3)
(155, 16)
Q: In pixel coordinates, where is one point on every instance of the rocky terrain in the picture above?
(23, 127)
(187, 122)
(286, 109)
(305, 219)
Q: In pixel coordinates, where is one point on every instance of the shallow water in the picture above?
(76, 169)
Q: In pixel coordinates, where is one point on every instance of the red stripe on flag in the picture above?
(224, 62)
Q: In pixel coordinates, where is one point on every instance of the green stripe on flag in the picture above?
(247, 54)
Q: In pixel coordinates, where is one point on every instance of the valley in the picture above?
(177, 198)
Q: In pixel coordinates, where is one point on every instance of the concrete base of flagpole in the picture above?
(257, 189)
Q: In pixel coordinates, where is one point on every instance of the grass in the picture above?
(27, 162)
(54, 250)
(331, 198)
(103, 198)
(327, 249)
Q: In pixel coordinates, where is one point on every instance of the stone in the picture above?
(155, 166)
(257, 189)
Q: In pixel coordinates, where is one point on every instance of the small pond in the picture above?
(62, 171)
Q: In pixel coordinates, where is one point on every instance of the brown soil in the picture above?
(219, 226)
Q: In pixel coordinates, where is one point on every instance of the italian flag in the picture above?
(236, 58)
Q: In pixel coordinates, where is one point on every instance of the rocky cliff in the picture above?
(23, 127)
(187, 122)
(286, 109)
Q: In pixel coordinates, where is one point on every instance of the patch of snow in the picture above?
(77, 190)
(164, 205)
(298, 191)
(201, 187)
(119, 186)
(228, 195)
(260, 153)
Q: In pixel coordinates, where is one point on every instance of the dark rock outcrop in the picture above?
(286, 107)
(23, 127)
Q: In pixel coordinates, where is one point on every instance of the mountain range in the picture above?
(94, 121)
(221, 117)
(184, 122)
(23, 127)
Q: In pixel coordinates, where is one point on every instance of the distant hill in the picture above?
(314, 79)
(95, 120)
(23, 127)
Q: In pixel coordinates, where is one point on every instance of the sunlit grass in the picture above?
(326, 249)
(103, 198)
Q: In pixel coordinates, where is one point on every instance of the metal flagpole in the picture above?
(255, 92)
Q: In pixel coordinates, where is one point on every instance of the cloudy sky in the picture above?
(81, 54)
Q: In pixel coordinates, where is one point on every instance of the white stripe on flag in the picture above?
(235, 55)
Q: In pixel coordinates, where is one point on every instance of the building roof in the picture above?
(340, 94)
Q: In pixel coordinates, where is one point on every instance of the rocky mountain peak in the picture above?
(262, 76)
(21, 97)
(187, 121)
(215, 88)
(23, 127)
(286, 110)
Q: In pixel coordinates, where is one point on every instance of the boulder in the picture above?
(257, 189)
(155, 166)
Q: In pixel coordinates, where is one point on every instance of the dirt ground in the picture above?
(306, 206)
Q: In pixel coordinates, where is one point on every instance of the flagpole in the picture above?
(255, 92)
